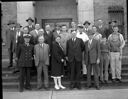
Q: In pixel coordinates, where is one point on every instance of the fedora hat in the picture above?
(113, 21)
(87, 22)
(11, 22)
(26, 36)
(18, 25)
(80, 26)
(30, 19)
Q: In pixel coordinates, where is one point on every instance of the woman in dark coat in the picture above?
(25, 54)
(58, 57)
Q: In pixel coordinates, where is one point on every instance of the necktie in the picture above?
(89, 43)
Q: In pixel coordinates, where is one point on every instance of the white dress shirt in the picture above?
(82, 36)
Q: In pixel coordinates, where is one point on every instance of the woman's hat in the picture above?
(30, 19)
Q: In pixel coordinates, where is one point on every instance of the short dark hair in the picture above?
(115, 26)
(57, 36)
(63, 25)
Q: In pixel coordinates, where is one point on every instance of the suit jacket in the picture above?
(31, 28)
(11, 38)
(34, 37)
(92, 53)
(102, 31)
(45, 49)
(20, 39)
(64, 38)
(74, 50)
(25, 55)
(55, 34)
(48, 39)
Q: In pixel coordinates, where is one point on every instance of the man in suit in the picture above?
(73, 27)
(82, 35)
(92, 59)
(75, 48)
(48, 36)
(19, 33)
(86, 27)
(56, 32)
(111, 25)
(101, 28)
(30, 24)
(25, 53)
(11, 41)
(35, 34)
(41, 51)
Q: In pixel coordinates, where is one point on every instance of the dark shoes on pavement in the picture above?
(119, 80)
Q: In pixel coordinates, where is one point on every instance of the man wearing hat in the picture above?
(75, 48)
(56, 31)
(19, 33)
(110, 28)
(82, 35)
(30, 24)
(92, 59)
(86, 26)
(101, 28)
(11, 40)
(25, 54)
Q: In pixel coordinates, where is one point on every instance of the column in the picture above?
(85, 10)
(24, 10)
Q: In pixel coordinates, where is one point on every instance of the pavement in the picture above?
(70, 94)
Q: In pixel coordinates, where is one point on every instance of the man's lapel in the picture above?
(92, 43)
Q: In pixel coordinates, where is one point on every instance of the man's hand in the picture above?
(67, 58)
(98, 61)
(62, 60)
(120, 57)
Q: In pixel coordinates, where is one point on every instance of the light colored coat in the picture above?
(37, 54)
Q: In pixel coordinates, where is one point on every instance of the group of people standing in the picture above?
(84, 50)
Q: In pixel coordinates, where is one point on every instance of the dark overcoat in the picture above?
(57, 55)
(25, 55)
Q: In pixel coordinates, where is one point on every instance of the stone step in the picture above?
(14, 85)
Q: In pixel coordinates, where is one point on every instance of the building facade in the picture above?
(64, 11)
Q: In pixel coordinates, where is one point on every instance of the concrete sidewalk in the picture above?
(71, 94)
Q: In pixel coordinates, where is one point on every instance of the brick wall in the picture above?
(9, 12)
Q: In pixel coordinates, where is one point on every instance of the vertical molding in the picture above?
(85, 11)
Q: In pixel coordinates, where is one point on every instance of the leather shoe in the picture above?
(46, 88)
(28, 88)
(20, 90)
(9, 66)
(89, 86)
(119, 80)
(15, 71)
(72, 86)
(97, 88)
(106, 81)
(113, 80)
(78, 87)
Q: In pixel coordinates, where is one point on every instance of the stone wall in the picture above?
(101, 10)
(9, 12)
(53, 9)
